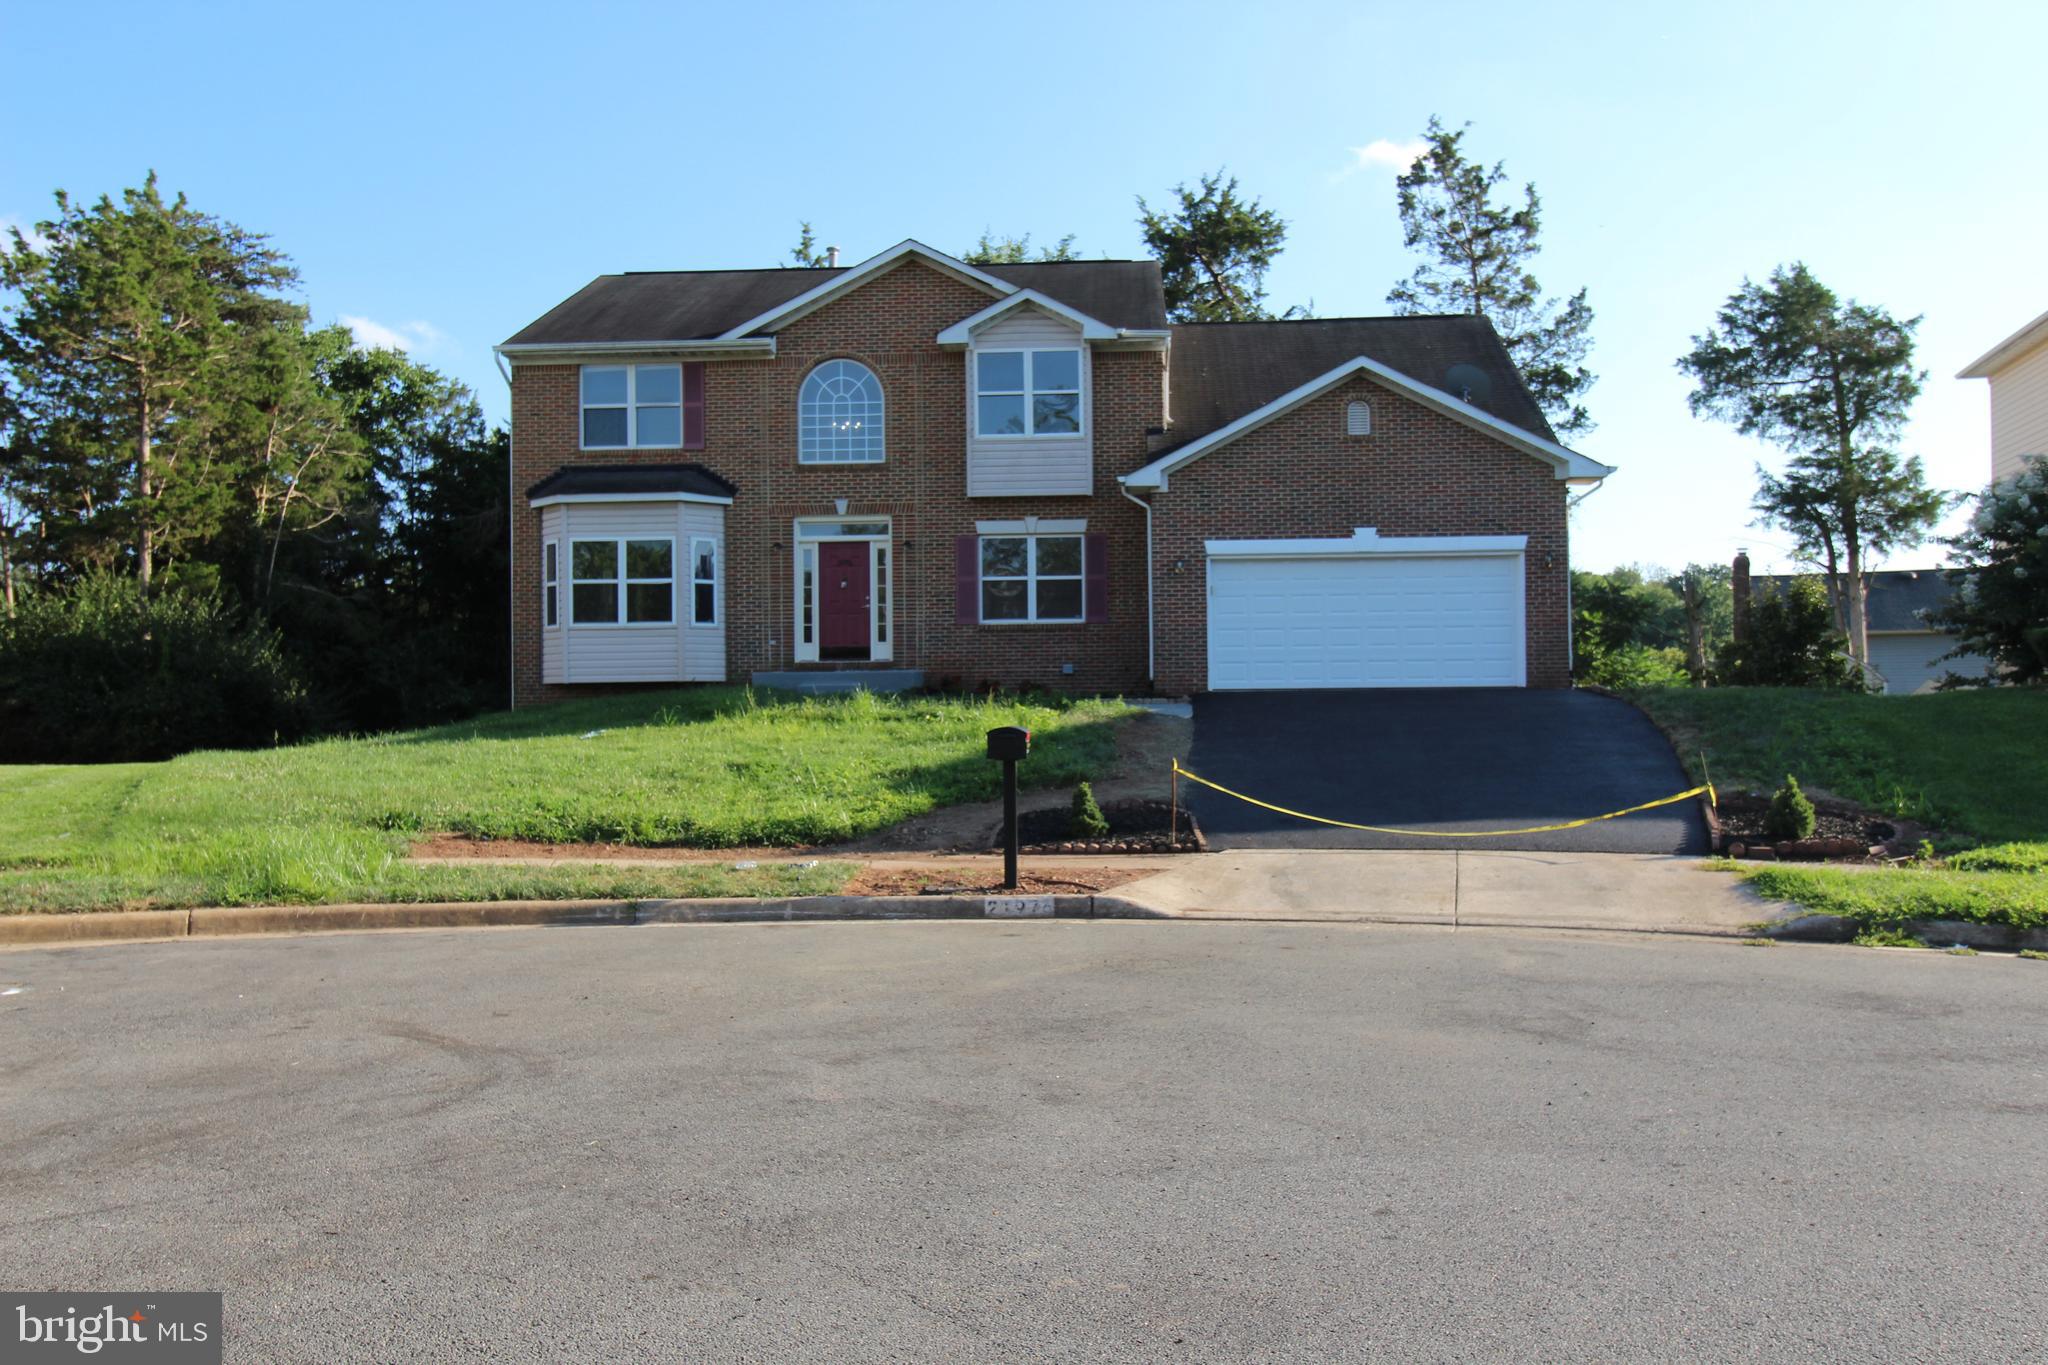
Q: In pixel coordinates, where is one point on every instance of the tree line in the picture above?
(185, 458)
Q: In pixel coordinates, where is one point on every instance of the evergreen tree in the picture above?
(805, 253)
(1831, 382)
(1213, 250)
(129, 353)
(2000, 607)
(1476, 260)
(992, 250)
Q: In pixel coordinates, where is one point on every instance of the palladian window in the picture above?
(839, 415)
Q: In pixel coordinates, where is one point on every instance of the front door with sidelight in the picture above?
(844, 600)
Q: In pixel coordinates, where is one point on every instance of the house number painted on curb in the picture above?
(1017, 907)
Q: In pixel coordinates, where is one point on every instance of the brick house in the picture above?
(914, 469)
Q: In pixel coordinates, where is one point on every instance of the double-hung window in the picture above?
(1027, 393)
(551, 583)
(621, 582)
(629, 407)
(703, 581)
(1031, 578)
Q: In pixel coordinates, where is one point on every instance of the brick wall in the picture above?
(1419, 473)
(750, 439)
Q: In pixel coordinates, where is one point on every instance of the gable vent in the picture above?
(1358, 419)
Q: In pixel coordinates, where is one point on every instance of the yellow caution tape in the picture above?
(1707, 788)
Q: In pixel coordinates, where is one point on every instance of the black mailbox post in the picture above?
(1006, 745)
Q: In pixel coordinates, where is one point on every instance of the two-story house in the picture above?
(1022, 474)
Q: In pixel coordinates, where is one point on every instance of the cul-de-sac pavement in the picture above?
(1053, 1140)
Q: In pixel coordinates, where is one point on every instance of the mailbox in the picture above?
(1009, 743)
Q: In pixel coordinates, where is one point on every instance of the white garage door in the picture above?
(1366, 621)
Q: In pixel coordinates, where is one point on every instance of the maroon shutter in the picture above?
(1095, 567)
(967, 581)
(693, 405)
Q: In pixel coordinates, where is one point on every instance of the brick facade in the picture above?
(1419, 473)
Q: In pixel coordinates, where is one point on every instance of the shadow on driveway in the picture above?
(1438, 758)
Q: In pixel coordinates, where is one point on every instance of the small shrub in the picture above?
(1632, 668)
(1088, 821)
(1791, 814)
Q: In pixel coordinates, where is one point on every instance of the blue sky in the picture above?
(448, 174)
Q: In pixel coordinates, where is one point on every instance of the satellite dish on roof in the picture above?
(1468, 382)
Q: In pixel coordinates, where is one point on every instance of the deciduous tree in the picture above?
(2000, 607)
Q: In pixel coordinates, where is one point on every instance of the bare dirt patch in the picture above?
(917, 881)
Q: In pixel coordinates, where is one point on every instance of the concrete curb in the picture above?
(114, 926)
(1835, 929)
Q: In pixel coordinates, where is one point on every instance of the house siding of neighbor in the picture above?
(2018, 371)
(1022, 476)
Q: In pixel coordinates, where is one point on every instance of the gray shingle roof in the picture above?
(1223, 370)
(690, 305)
(1894, 598)
(589, 479)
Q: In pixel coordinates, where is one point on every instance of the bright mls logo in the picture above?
(168, 1329)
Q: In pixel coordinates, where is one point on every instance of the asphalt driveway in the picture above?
(1438, 759)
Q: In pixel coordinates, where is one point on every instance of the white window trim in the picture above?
(881, 596)
(881, 456)
(632, 407)
(621, 582)
(717, 582)
(551, 583)
(1080, 393)
(1031, 579)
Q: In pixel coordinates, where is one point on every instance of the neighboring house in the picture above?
(2018, 370)
(1022, 475)
(1905, 651)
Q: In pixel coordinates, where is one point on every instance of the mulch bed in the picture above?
(1841, 833)
(917, 881)
(1135, 826)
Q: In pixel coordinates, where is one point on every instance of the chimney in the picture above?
(832, 257)
(1739, 583)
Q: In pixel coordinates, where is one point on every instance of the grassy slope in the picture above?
(1972, 763)
(330, 821)
(1975, 763)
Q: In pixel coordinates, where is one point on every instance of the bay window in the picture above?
(621, 582)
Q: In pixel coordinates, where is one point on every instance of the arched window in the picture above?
(839, 415)
(1358, 419)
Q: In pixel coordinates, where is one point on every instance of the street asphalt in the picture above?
(1042, 1141)
(1446, 758)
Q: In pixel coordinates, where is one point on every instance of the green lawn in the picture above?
(1971, 764)
(709, 768)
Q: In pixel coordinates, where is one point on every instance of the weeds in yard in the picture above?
(331, 821)
(1886, 938)
(2034, 955)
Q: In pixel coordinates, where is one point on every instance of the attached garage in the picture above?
(1368, 611)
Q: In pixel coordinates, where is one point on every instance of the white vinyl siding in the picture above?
(2019, 412)
(1030, 466)
(667, 651)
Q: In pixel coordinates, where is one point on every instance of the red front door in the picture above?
(843, 599)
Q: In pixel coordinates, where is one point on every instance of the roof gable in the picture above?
(962, 332)
(853, 278)
(1567, 464)
(2008, 350)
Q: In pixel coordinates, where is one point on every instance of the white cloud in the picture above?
(36, 241)
(406, 336)
(1383, 153)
